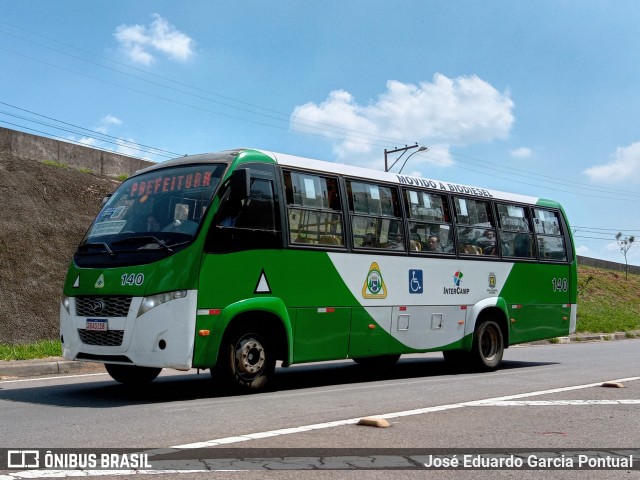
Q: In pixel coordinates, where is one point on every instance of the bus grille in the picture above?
(109, 338)
(116, 306)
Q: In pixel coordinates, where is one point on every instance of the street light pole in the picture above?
(404, 150)
(421, 149)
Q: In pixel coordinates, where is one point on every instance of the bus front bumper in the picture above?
(161, 337)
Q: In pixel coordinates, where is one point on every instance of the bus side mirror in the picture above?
(241, 183)
(106, 199)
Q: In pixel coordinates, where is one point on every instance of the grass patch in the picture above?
(85, 170)
(53, 163)
(607, 302)
(27, 351)
(122, 177)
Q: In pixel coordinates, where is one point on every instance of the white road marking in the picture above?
(556, 403)
(508, 400)
(406, 413)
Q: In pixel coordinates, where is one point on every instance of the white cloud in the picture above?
(583, 251)
(110, 120)
(522, 152)
(445, 112)
(89, 142)
(624, 166)
(107, 122)
(141, 43)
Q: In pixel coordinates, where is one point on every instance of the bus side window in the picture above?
(551, 242)
(516, 237)
(376, 219)
(476, 229)
(258, 212)
(246, 223)
(314, 210)
(430, 230)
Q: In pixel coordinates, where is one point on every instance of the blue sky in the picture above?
(540, 98)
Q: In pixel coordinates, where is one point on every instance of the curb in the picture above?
(13, 369)
(589, 337)
(10, 370)
(598, 337)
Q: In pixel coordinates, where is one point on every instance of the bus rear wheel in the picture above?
(246, 361)
(488, 347)
(132, 374)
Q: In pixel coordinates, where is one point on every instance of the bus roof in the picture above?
(321, 166)
(402, 180)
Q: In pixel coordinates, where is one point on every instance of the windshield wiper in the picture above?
(97, 244)
(144, 239)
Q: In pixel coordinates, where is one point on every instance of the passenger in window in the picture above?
(433, 244)
(181, 222)
(466, 235)
(368, 240)
(487, 242)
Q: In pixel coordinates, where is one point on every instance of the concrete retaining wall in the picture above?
(33, 147)
(620, 267)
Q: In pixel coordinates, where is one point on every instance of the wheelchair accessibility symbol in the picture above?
(415, 281)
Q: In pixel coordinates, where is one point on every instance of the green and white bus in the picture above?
(236, 260)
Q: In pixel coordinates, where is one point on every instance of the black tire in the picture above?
(246, 361)
(488, 347)
(382, 361)
(132, 374)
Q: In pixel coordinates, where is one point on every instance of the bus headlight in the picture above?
(66, 304)
(154, 300)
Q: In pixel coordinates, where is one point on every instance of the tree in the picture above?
(625, 244)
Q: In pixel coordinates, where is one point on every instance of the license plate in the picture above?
(97, 324)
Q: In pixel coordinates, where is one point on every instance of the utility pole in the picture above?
(404, 150)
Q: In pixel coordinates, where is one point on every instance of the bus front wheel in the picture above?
(132, 374)
(246, 361)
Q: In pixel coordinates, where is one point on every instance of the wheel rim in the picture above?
(250, 357)
(489, 343)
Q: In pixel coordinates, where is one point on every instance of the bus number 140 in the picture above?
(130, 279)
(560, 284)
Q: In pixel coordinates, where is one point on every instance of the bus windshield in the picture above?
(153, 211)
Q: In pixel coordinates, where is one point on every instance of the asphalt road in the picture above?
(544, 397)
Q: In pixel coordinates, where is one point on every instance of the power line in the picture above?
(493, 174)
(103, 137)
(50, 135)
(324, 130)
(546, 178)
(605, 229)
(248, 107)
